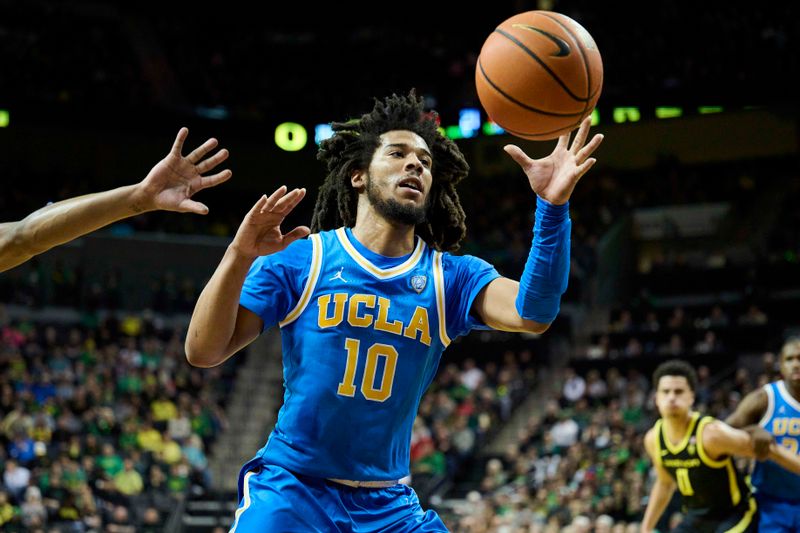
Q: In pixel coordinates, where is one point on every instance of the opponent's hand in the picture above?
(171, 183)
(554, 177)
(260, 231)
(761, 442)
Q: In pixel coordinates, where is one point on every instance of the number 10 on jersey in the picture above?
(368, 389)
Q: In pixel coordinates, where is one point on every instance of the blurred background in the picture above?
(686, 237)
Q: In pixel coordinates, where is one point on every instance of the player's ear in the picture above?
(358, 179)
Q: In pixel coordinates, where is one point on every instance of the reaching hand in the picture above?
(172, 182)
(761, 442)
(260, 231)
(553, 178)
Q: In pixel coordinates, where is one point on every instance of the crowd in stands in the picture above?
(102, 427)
(580, 466)
(464, 407)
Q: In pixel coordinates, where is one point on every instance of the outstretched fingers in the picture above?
(177, 146)
(216, 179)
(187, 205)
(584, 167)
(518, 155)
(200, 152)
(587, 150)
(580, 137)
(207, 164)
(284, 205)
(300, 232)
(273, 199)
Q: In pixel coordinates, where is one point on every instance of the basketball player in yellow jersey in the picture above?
(694, 454)
(168, 186)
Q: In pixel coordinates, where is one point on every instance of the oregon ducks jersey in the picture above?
(710, 488)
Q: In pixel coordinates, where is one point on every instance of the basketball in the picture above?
(539, 74)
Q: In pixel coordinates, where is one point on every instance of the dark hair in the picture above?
(351, 149)
(676, 367)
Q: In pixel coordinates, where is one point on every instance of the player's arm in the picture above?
(169, 186)
(662, 490)
(746, 417)
(533, 303)
(720, 439)
(219, 326)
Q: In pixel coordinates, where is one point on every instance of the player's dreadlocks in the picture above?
(351, 149)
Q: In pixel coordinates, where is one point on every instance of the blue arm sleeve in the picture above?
(275, 282)
(546, 273)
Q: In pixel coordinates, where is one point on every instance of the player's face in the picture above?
(674, 397)
(398, 181)
(790, 364)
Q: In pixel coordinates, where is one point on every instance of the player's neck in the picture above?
(793, 389)
(675, 427)
(383, 237)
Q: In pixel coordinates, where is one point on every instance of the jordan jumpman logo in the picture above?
(338, 276)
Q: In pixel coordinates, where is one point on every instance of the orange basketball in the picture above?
(539, 75)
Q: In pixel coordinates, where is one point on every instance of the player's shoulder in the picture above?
(758, 399)
(463, 262)
(649, 438)
(297, 254)
(713, 432)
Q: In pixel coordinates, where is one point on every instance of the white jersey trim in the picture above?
(380, 273)
(441, 301)
(770, 406)
(311, 284)
(787, 397)
(245, 501)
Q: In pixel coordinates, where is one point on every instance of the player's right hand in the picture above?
(260, 231)
(761, 442)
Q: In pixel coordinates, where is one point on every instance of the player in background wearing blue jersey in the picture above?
(772, 413)
(366, 305)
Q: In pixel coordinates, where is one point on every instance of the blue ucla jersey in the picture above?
(362, 335)
(782, 419)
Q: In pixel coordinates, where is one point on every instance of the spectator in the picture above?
(33, 511)
(129, 481)
(16, 479)
(574, 386)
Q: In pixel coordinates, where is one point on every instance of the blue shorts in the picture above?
(778, 516)
(272, 499)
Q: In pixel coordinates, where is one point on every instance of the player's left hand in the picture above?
(172, 182)
(554, 177)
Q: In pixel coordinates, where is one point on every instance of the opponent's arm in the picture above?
(720, 439)
(169, 185)
(746, 417)
(219, 326)
(533, 303)
(662, 490)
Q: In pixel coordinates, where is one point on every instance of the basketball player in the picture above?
(169, 186)
(695, 454)
(773, 413)
(366, 306)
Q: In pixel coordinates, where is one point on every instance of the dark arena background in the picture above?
(685, 243)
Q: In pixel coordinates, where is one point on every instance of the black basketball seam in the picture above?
(543, 65)
(583, 55)
(523, 133)
(520, 104)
